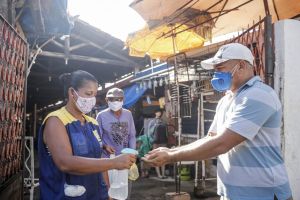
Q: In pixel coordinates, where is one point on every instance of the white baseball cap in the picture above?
(115, 92)
(229, 52)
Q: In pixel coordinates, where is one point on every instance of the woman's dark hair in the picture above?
(75, 80)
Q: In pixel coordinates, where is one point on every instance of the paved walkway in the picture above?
(155, 189)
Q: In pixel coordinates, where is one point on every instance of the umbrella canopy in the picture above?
(236, 14)
(156, 45)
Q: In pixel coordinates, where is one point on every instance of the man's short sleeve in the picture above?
(250, 113)
(213, 126)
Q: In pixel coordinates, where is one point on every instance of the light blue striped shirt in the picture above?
(254, 169)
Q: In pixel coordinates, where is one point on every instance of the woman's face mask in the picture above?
(85, 105)
(222, 81)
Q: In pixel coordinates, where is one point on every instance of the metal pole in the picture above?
(24, 115)
(266, 5)
(198, 137)
(151, 63)
(268, 39)
(34, 120)
(178, 92)
(67, 49)
(178, 107)
(202, 136)
(11, 12)
(30, 180)
(203, 175)
(31, 168)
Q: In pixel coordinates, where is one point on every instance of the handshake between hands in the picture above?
(158, 157)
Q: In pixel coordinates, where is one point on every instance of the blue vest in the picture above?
(85, 142)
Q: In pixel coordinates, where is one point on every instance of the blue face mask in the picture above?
(221, 81)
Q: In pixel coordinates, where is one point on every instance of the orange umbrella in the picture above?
(156, 45)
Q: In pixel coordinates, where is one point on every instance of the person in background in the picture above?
(159, 137)
(245, 132)
(70, 146)
(143, 146)
(116, 127)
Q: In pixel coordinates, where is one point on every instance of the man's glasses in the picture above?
(112, 99)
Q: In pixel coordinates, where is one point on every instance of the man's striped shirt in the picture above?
(254, 169)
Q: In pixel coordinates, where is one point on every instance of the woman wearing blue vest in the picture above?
(70, 146)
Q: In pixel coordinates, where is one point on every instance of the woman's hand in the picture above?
(124, 161)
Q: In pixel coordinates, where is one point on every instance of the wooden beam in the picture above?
(119, 56)
(85, 58)
(77, 46)
(45, 98)
(58, 44)
(40, 74)
(46, 74)
(45, 88)
(106, 44)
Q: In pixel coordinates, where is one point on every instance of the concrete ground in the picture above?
(155, 189)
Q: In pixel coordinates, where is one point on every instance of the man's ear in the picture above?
(243, 65)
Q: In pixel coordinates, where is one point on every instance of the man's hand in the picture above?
(109, 149)
(124, 161)
(158, 157)
(160, 149)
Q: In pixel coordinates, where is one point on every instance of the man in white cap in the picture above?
(245, 132)
(116, 126)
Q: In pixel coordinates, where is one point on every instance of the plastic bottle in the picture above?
(118, 180)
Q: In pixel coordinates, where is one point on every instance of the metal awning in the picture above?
(153, 77)
(87, 48)
(160, 70)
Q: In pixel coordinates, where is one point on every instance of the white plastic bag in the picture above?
(74, 190)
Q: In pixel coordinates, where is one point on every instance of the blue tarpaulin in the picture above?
(132, 95)
(41, 19)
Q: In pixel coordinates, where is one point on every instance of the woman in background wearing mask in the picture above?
(70, 146)
(116, 126)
